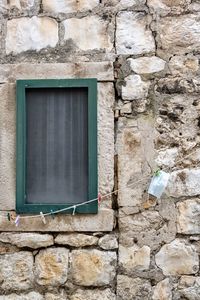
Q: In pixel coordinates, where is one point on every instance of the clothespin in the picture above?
(43, 218)
(157, 172)
(17, 220)
(74, 209)
(52, 214)
(8, 216)
(99, 198)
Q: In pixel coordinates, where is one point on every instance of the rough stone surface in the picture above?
(178, 258)
(7, 148)
(21, 5)
(134, 25)
(167, 157)
(184, 65)
(133, 288)
(162, 290)
(165, 7)
(31, 34)
(31, 240)
(101, 70)
(189, 287)
(60, 296)
(135, 88)
(134, 258)
(108, 242)
(76, 240)
(51, 266)
(179, 35)
(81, 33)
(16, 271)
(147, 65)
(67, 6)
(93, 295)
(29, 296)
(134, 141)
(184, 182)
(188, 217)
(93, 267)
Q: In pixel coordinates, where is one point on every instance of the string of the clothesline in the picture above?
(103, 196)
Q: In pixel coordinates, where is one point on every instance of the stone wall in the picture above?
(145, 55)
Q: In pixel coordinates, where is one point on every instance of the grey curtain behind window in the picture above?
(57, 145)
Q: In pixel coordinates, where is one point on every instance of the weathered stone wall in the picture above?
(145, 55)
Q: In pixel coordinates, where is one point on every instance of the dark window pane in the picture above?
(57, 145)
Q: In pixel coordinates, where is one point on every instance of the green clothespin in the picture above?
(157, 172)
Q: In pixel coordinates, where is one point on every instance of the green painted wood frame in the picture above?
(21, 86)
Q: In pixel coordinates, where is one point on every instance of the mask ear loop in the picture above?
(43, 218)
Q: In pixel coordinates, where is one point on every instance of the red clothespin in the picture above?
(99, 198)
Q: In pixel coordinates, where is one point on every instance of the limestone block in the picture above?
(179, 35)
(82, 33)
(21, 5)
(135, 88)
(134, 258)
(183, 65)
(16, 271)
(185, 182)
(132, 35)
(7, 146)
(188, 217)
(135, 151)
(108, 242)
(133, 288)
(165, 7)
(162, 290)
(126, 108)
(189, 287)
(103, 221)
(149, 228)
(3, 6)
(31, 34)
(147, 65)
(7, 248)
(29, 296)
(68, 6)
(31, 240)
(93, 267)
(178, 258)
(76, 240)
(167, 157)
(106, 98)
(103, 71)
(93, 295)
(51, 266)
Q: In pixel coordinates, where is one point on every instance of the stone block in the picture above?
(188, 217)
(103, 71)
(7, 248)
(103, 221)
(178, 258)
(76, 240)
(21, 5)
(29, 296)
(182, 65)
(7, 146)
(162, 290)
(68, 6)
(61, 296)
(179, 35)
(135, 88)
(183, 183)
(3, 6)
(133, 288)
(93, 294)
(51, 266)
(135, 151)
(16, 271)
(108, 242)
(31, 34)
(189, 287)
(106, 97)
(133, 25)
(30, 240)
(147, 65)
(165, 7)
(167, 157)
(93, 267)
(82, 32)
(134, 258)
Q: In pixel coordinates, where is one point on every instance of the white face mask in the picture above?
(158, 183)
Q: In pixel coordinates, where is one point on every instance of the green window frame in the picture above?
(21, 86)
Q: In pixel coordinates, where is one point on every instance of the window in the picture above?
(56, 145)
